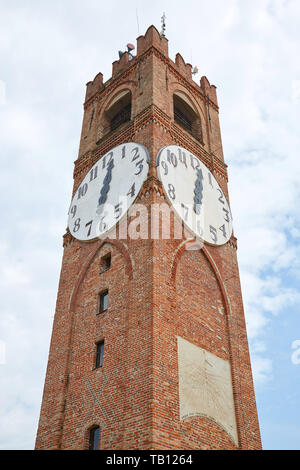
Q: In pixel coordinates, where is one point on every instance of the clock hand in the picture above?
(198, 192)
(105, 187)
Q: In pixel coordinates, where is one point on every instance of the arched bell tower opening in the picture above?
(186, 116)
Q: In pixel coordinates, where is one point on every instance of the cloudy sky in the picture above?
(249, 49)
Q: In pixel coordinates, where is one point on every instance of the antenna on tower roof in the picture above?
(130, 48)
(137, 20)
(163, 25)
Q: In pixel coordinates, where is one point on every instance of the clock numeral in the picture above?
(93, 173)
(182, 157)
(221, 198)
(171, 191)
(185, 211)
(210, 180)
(213, 233)
(82, 190)
(131, 191)
(107, 159)
(118, 210)
(89, 230)
(136, 154)
(73, 211)
(76, 225)
(123, 151)
(171, 157)
(102, 224)
(223, 230)
(105, 188)
(227, 218)
(193, 161)
(140, 166)
(165, 167)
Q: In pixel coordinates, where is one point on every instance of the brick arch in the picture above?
(181, 89)
(116, 95)
(103, 129)
(177, 87)
(120, 246)
(214, 429)
(128, 86)
(176, 258)
(200, 130)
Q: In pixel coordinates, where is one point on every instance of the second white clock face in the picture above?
(195, 194)
(108, 190)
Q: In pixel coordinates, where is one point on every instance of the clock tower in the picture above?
(149, 347)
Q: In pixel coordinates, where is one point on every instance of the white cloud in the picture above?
(2, 93)
(261, 368)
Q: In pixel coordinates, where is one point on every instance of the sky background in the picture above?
(48, 51)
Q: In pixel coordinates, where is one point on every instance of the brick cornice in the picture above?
(151, 114)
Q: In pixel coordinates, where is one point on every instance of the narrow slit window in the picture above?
(94, 438)
(105, 263)
(99, 354)
(103, 301)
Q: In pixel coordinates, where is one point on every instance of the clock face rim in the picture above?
(193, 233)
(105, 234)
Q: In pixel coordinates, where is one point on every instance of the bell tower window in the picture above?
(119, 111)
(186, 116)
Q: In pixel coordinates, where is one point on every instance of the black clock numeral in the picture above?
(93, 173)
(73, 210)
(165, 167)
(210, 180)
(123, 151)
(131, 191)
(195, 164)
(223, 230)
(107, 159)
(185, 211)
(82, 190)
(213, 233)
(102, 224)
(140, 165)
(221, 198)
(227, 218)
(106, 186)
(118, 210)
(136, 154)
(76, 225)
(89, 224)
(171, 191)
(182, 157)
(172, 159)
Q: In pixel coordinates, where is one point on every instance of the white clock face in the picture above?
(195, 194)
(108, 190)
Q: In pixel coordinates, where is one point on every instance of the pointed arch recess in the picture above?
(178, 254)
(128, 267)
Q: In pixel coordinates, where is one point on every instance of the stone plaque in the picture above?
(205, 387)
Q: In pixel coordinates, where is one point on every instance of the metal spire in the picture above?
(163, 25)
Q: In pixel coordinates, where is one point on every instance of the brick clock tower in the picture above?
(149, 347)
